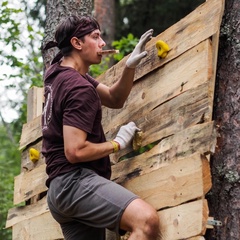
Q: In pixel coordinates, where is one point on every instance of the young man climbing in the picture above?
(81, 197)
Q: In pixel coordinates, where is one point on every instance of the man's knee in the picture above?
(151, 226)
(141, 219)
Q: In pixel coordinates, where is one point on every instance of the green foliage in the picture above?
(139, 151)
(137, 16)
(98, 69)
(10, 37)
(20, 53)
(125, 46)
(9, 168)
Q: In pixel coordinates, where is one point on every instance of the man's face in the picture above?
(93, 43)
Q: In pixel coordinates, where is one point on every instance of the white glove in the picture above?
(126, 134)
(138, 52)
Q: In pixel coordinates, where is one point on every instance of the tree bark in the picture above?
(56, 11)
(104, 12)
(224, 198)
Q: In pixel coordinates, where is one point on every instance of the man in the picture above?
(81, 197)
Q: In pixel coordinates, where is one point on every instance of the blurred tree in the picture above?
(56, 11)
(20, 60)
(9, 168)
(104, 12)
(137, 16)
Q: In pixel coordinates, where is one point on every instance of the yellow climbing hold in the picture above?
(163, 48)
(34, 154)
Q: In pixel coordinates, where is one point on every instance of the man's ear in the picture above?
(76, 43)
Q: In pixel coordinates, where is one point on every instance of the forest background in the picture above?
(22, 31)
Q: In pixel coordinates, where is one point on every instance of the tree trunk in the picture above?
(104, 12)
(224, 199)
(57, 10)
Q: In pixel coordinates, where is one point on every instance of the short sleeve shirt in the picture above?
(70, 99)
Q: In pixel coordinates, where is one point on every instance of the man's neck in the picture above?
(69, 61)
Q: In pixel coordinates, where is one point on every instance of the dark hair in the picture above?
(74, 26)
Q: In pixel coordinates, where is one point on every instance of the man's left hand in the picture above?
(139, 51)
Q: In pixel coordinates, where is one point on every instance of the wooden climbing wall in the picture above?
(172, 102)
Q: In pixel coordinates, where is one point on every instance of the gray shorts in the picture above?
(84, 204)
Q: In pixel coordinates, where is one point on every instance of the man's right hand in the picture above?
(125, 134)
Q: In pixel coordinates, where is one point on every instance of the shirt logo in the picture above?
(47, 110)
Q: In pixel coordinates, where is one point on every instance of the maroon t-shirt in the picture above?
(70, 99)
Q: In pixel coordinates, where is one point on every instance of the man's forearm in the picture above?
(121, 89)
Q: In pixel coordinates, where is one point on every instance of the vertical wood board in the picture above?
(27, 185)
(34, 103)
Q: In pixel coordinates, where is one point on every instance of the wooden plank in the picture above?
(42, 227)
(186, 110)
(191, 69)
(181, 181)
(215, 44)
(184, 221)
(31, 132)
(22, 213)
(29, 184)
(199, 25)
(34, 103)
(199, 138)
